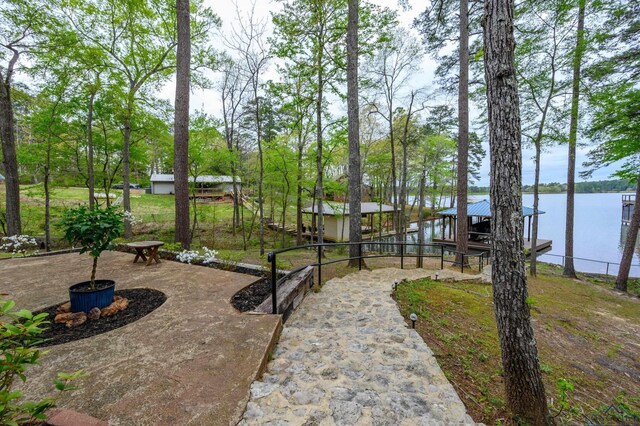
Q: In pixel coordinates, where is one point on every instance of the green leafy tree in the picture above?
(95, 231)
(139, 39)
(544, 29)
(23, 27)
(615, 98)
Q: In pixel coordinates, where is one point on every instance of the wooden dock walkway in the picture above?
(479, 245)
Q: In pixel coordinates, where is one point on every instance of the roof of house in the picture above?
(341, 209)
(483, 209)
(157, 177)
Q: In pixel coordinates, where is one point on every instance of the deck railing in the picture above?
(606, 268)
(375, 250)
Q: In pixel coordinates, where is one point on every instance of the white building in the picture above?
(336, 218)
(164, 184)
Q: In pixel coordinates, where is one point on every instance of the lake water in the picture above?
(598, 231)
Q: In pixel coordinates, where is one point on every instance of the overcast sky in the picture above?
(554, 159)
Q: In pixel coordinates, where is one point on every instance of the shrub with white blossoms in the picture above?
(209, 256)
(18, 244)
(188, 256)
(129, 217)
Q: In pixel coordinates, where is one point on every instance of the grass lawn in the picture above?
(155, 212)
(587, 335)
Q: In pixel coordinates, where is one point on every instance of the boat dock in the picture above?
(628, 203)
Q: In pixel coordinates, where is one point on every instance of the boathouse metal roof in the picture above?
(483, 209)
(342, 209)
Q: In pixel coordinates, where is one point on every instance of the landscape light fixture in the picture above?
(395, 284)
(413, 317)
(436, 277)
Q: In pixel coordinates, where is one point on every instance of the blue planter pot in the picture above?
(83, 299)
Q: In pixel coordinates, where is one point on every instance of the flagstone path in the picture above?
(347, 357)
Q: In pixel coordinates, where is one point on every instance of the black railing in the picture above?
(435, 251)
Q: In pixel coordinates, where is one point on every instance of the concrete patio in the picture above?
(191, 361)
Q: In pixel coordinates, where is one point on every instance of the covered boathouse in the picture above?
(479, 217)
(336, 220)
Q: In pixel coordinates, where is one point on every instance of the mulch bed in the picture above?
(252, 296)
(142, 301)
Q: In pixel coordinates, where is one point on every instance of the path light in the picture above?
(436, 277)
(413, 317)
(395, 284)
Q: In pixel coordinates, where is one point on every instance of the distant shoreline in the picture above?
(564, 192)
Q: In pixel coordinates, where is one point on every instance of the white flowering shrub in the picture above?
(18, 244)
(129, 217)
(210, 256)
(188, 256)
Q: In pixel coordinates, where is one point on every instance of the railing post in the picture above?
(607, 273)
(271, 257)
(441, 257)
(481, 261)
(320, 265)
(462, 263)
(401, 256)
(360, 256)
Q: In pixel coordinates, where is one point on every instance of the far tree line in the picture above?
(588, 187)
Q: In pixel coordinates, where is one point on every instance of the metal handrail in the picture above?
(272, 256)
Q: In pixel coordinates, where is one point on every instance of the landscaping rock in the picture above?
(64, 308)
(347, 356)
(119, 304)
(94, 314)
(71, 319)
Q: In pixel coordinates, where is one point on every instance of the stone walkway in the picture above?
(346, 357)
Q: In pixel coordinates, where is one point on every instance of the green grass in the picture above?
(586, 335)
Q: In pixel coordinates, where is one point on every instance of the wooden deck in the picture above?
(476, 245)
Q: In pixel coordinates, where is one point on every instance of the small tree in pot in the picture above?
(94, 230)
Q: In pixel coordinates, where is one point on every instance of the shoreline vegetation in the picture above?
(594, 187)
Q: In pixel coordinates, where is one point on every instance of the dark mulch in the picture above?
(142, 301)
(252, 296)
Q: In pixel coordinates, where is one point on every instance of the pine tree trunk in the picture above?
(261, 164)
(423, 179)
(569, 269)
(319, 166)
(9, 157)
(462, 226)
(536, 184)
(536, 202)
(299, 238)
(181, 124)
(524, 388)
(355, 217)
(630, 243)
(47, 195)
(126, 136)
(90, 175)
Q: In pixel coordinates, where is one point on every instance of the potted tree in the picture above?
(95, 230)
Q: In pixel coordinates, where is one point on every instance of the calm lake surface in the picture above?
(598, 232)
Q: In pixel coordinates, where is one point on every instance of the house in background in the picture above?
(206, 185)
